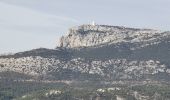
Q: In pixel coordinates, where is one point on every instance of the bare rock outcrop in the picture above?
(94, 35)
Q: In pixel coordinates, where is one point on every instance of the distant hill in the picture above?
(98, 52)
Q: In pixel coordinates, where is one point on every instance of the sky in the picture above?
(30, 24)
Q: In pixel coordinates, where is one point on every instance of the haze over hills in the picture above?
(100, 53)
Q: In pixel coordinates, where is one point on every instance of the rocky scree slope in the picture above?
(99, 52)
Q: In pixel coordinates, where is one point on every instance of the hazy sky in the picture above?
(28, 24)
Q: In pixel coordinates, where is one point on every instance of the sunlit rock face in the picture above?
(96, 35)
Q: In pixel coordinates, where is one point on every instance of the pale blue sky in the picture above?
(28, 24)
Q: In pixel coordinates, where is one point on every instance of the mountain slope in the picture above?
(98, 52)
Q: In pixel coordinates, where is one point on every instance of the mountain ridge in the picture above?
(93, 35)
(103, 53)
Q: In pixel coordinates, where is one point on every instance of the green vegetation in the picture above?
(10, 89)
(163, 90)
(79, 90)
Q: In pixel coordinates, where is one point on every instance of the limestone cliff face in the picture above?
(93, 35)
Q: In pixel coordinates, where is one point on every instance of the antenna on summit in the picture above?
(93, 23)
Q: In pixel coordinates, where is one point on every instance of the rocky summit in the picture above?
(96, 35)
(92, 62)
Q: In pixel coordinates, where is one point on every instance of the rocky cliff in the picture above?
(97, 35)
